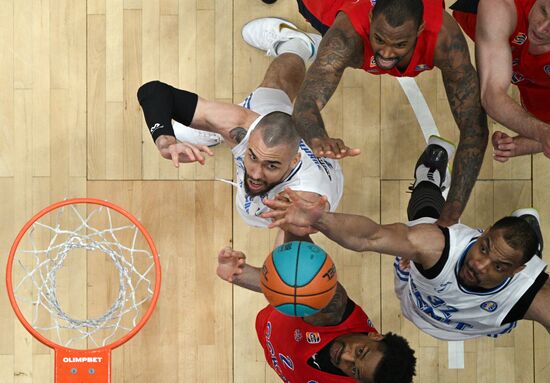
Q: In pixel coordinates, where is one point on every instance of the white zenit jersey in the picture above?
(311, 174)
(445, 309)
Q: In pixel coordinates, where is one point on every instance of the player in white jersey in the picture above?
(269, 154)
(453, 283)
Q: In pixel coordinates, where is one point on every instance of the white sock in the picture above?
(297, 46)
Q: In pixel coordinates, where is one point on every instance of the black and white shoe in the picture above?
(533, 219)
(433, 163)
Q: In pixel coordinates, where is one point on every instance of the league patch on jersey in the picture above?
(298, 335)
(372, 62)
(422, 67)
(313, 337)
(520, 39)
(489, 306)
(517, 77)
(547, 69)
(373, 2)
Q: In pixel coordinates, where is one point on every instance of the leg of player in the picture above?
(431, 179)
(282, 39)
(286, 73)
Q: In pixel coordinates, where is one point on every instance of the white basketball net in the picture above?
(73, 241)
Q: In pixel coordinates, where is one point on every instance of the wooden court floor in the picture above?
(70, 126)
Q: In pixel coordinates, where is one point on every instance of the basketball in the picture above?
(298, 278)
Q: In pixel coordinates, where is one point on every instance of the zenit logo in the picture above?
(84, 359)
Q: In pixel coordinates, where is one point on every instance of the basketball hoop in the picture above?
(54, 255)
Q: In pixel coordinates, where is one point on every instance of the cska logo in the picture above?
(520, 39)
(372, 62)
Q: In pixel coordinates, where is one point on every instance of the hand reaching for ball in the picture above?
(230, 264)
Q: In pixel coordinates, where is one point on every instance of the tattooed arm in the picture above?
(462, 88)
(340, 48)
(332, 314)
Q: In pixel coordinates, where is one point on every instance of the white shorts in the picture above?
(267, 100)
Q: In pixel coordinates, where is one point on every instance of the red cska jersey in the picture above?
(289, 342)
(531, 73)
(358, 13)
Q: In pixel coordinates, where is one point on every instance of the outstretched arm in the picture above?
(162, 103)
(496, 22)
(421, 243)
(538, 310)
(462, 88)
(341, 47)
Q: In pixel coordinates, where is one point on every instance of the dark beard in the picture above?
(395, 59)
(263, 192)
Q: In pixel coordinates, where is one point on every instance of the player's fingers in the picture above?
(292, 194)
(352, 152)
(276, 223)
(189, 153)
(206, 149)
(274, 214)
(198, 155)
(276, 204)
(499, 157)
(505, 141)
(329, 150)
(503, 153)
(174, 155)
(506, 146)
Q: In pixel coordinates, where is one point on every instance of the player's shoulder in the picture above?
(451, 47)
(496, 20)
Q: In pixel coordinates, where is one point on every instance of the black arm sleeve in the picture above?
(162, 103)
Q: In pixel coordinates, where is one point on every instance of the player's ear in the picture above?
(296, 159)
(376, 336)
(420, 28)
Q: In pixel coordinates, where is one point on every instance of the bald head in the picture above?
(277, 128)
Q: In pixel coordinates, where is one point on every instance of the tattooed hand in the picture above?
(332, 148)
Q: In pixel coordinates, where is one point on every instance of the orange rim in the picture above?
(74, 201)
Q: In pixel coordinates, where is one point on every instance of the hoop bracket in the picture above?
(75, 366)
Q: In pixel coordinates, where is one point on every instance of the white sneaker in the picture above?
(533, 219)
(431, 163)
(196, 136)
(267, 33)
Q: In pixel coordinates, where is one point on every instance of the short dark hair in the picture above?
(398, 364)
(519, 235)
(277, 128)
(397, 12)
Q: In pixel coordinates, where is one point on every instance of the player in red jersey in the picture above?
(512, 45)
(399, 38)
(338, 344)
